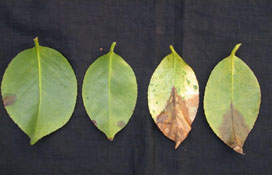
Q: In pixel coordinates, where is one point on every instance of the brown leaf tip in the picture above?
(177, 144)
(238, 149)
(110, 139)
(9, 99)
(121, 124)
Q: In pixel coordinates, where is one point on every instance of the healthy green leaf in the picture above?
(39, 91)
(173, 97)
(232, 101)
(109, 93)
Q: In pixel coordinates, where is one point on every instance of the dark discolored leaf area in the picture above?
(173, 97)
(39, 91)
(174, 121)
(9, 99)
(232, 101)
(233, 129)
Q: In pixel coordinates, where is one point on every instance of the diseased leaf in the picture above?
(109, 93)
(39, 91)
(173, 97)
(232, 101)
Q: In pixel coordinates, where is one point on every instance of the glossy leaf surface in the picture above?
(109, 93)
(39, 91)
(173, 97)
(232, 101)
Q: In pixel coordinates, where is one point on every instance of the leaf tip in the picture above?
(237, 46)
(33, 141)
(110, 138)
(238, 149)
(112, 46)
(177, 144)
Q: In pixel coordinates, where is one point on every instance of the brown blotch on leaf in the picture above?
(233, 129)
(9, 99)
(121, 124)
(174, 121)
(94, 122)
(192, 105)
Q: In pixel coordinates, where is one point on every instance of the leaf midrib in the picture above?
(109, 89)
(37, 49)
(232, 57)
(232, 118)
(111, 52)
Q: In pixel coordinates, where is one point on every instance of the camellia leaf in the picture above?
(173, 97)
(39, 90)
(109, 93)
(232, 101)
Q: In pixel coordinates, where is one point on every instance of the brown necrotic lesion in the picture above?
(175, 121)
(233, 129)
(9, 99)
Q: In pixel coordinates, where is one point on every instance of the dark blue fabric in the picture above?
(202, 31)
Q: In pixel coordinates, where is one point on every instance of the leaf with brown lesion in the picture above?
(173, 97)
(233, 129)
(175, 120)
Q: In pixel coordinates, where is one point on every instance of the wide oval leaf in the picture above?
(39, 91)
(109, 93)
(173, 97)
(232, 101)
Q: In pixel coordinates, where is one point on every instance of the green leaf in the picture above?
(39, 90)
(232, 101)
(173, 97)
(109, 93)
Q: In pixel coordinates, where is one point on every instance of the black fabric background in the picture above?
(202, 31)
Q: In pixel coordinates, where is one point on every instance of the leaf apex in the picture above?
(177, 144)
(236, 47)
(239, 149)
(110, 139)
(33, 141)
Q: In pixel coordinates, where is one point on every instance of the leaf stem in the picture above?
(233, 52)
(112, 47)
(36, 43)
(172, 49)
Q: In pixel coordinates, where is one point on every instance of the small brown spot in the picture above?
(110, 139)
(101, 49)
(233, 129)
(94, 122)
(121, 124)
(9, 99)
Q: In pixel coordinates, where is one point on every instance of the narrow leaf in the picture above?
(109, 93)
(173, 97)
(232, 101)
(39, 91)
